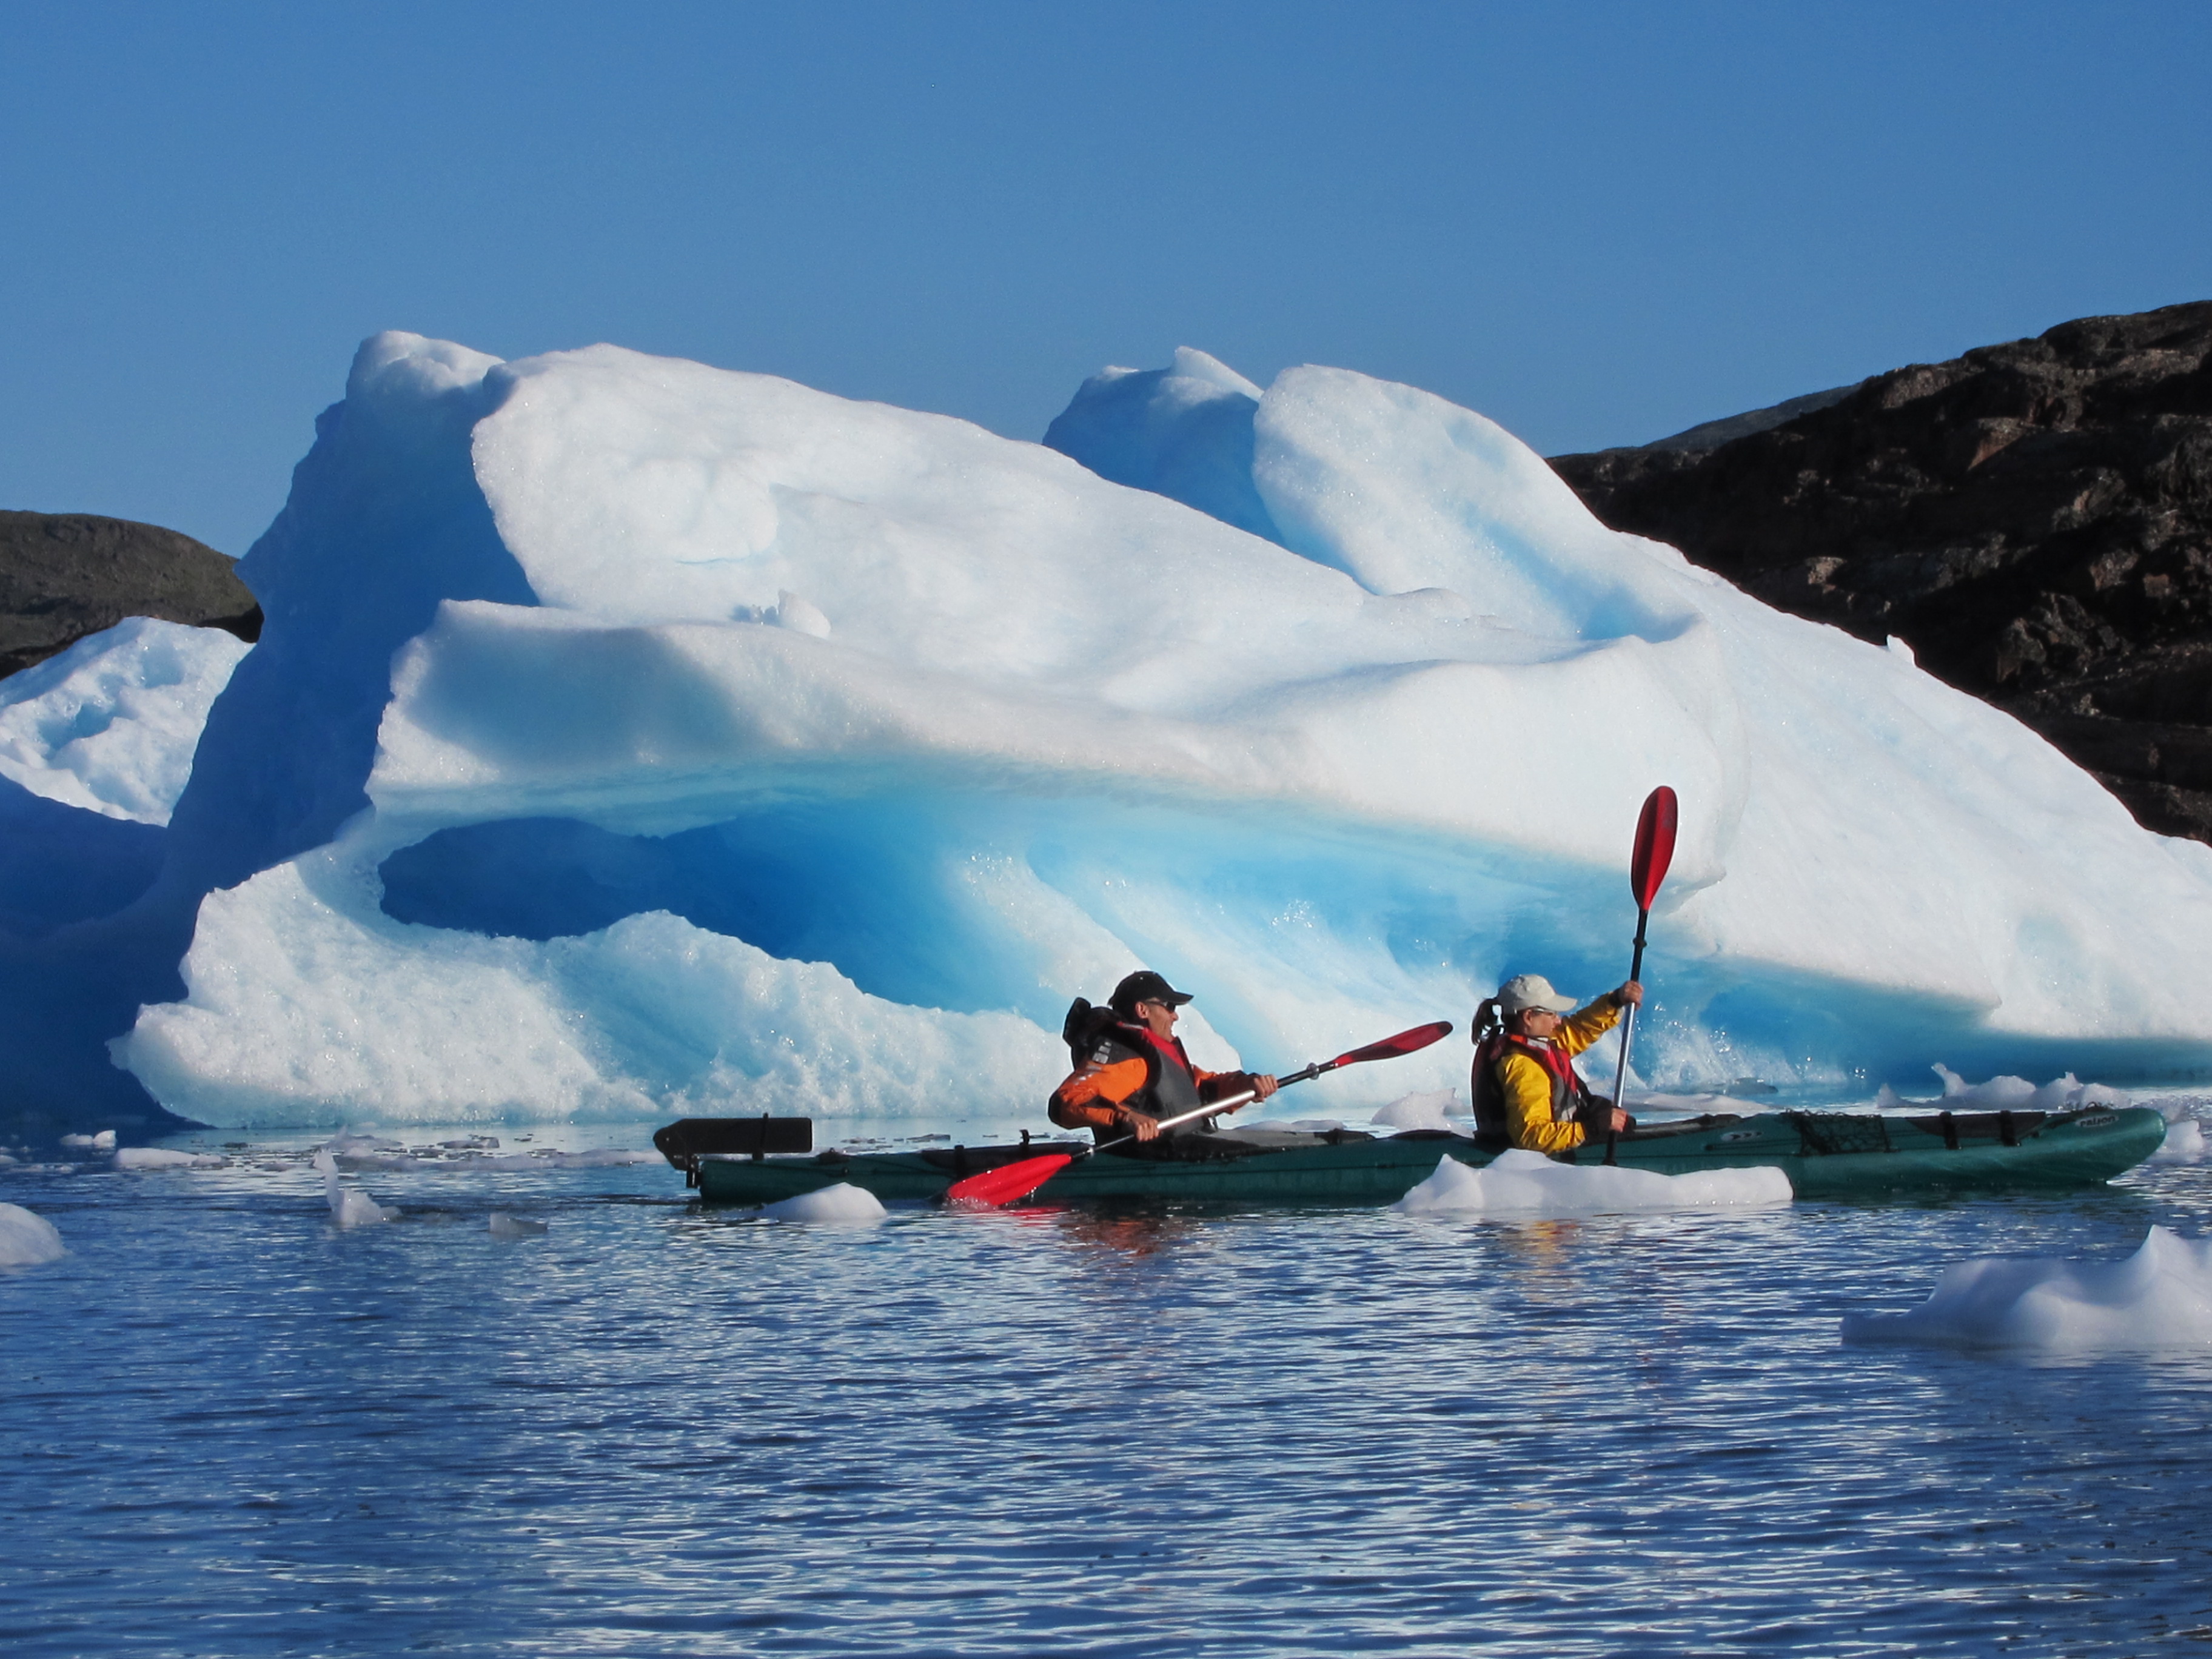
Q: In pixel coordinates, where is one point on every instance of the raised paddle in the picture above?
(1647, 868)
(1011, 1183)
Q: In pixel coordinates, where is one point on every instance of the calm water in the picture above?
(230, 1429)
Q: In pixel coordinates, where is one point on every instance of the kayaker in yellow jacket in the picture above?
(1524, 1085)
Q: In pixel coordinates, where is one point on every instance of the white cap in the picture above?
(1525, 991)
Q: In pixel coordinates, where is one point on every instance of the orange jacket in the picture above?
(1099, 1094)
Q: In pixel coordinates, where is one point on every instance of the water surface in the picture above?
(232, 1429)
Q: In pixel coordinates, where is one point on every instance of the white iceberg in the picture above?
(627, 736)
(2158, 1299)
(1528, 1186)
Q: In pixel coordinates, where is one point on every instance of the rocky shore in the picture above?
(64, 575)
(2034, 519)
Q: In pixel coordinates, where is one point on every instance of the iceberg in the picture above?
(627, 736)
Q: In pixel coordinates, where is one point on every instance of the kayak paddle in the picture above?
(1011, 1183)
(1647, 868)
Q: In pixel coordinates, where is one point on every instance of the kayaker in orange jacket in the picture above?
(1131, 1069)
(1525, 1085)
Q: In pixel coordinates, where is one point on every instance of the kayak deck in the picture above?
(1825, 1155)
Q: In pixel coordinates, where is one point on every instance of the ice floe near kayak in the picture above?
(2158, 1299)
(28, 1239)
(842, 1204)
(1425, 1109)
(1526, 1185)
(2185, 1128)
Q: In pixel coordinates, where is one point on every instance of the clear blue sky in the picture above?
(1598, 224)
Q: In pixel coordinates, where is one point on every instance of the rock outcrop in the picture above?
(64, 575)
(2034, 519)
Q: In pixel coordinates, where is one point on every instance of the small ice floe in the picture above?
(102, 1142)
(504, 1225)
(1417, 1111)
(2007, 1094)
(844, 1203)
(2184, 1132)
(470, 1144)
(1529, 1186)
(166, 1157)
(28, 1239)
(2159, 1298)
(349, 1205)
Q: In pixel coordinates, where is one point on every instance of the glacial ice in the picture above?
(628, 737)
(109, 724)
(1527, 1186)
(28, 1239)
(2158, 1299)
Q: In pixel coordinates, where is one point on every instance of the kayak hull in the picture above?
(1825, 1155)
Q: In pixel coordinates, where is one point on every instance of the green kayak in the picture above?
(1826, 1155)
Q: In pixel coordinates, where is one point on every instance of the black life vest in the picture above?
(1569, 1092)
(1099, 1037)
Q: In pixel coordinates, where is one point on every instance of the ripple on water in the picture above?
(235, 1429)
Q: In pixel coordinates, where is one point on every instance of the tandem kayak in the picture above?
(1825, 1155)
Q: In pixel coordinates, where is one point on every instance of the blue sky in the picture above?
(1598, 224)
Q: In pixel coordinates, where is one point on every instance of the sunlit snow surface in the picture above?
(628, 735)
(109, 724)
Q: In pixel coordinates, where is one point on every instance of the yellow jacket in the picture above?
(1527, 1086)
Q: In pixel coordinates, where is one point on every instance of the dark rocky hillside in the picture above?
(64, 575)
(2034, 519)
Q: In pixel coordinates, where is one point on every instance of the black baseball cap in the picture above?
(1145, 986)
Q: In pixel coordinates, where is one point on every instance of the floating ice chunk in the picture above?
(2185, 1133)
(844, 1203)
(28, 1239)
(349, 1205)
(166, 1157)
(102, 1142)
(2007, 1094)
(1425, 1110)
(504, 1225)
(109, 725)
(2160, 1297)
(1526, 1184)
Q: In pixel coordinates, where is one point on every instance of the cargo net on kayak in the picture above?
(1827, 1133)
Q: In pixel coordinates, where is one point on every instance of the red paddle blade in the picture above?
(1391, 1046)
(1008, 1182)
(1655, 845)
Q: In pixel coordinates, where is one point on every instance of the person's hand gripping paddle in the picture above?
(1011, 1183)
(1647, 868)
